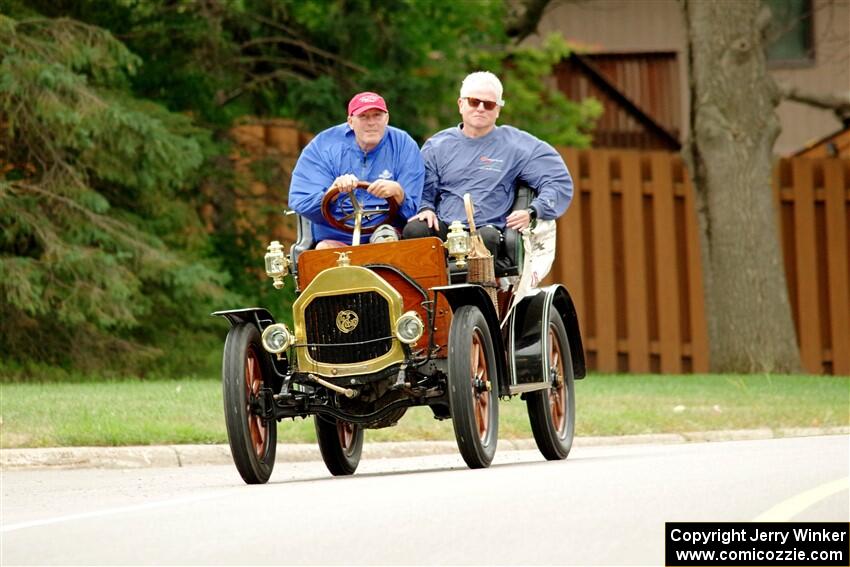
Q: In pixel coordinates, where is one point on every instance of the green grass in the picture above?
(133, 412)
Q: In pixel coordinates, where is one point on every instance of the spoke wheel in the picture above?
(340, 443)
(552, 411)
(480, 383)
(558, 392)
(473, 387)
(253, 383)
(245, 370)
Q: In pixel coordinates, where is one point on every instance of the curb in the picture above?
(192, 455)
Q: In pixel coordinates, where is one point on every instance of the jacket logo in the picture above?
(490, 163)
(386, 174)
(346, 321)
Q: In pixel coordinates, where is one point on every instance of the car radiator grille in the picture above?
(370, 339)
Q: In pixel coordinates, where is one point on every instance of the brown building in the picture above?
(631, 56)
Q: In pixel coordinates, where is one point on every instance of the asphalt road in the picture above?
(604, 505)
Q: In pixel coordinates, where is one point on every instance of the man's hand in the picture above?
(386, 189)
(428, 216)
(518, 220)
(345, 183)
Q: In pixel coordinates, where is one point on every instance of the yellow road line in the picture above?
(786, 510)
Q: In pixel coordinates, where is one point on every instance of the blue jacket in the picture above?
(335, 152)
(488, 168)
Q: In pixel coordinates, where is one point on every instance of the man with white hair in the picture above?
(487, 161)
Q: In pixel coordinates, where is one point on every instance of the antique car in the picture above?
(382, 327)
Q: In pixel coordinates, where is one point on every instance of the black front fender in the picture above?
(258, 316)
(261, 318)
(471, 294)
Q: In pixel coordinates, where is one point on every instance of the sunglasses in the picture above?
(475, 102)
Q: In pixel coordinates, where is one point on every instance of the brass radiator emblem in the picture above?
(346, 321)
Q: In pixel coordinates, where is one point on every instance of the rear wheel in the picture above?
(341, 444)
(552, 411)
(245, 369)
(473, 387)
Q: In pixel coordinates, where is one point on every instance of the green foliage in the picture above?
(546, 111)
(304, 59)
(113, 113)
(95, 245)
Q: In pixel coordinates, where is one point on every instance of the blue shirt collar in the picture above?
(484, 137)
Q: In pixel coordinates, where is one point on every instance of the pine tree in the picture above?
(99, 245)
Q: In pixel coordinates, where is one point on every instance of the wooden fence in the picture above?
(628, 250)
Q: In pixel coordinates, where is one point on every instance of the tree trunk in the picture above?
(730, 158)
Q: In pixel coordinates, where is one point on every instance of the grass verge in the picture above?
(132, 412)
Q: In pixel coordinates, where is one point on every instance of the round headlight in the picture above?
(409, 328)
(276, 338)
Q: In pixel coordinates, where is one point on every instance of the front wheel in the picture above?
(552, 412)
(473, 387)
(245, 369)
(340, 443)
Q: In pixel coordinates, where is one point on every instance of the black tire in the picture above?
(473, 387)
(245, 367)
(552, 412)
(341, 444)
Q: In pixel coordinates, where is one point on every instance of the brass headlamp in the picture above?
(457, 243)
(277, 264)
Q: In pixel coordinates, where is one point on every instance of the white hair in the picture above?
(482, 79)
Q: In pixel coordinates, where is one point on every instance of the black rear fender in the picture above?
(525, 335)
(471, 294)
(563, 303)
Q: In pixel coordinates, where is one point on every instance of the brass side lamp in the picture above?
(457, 243)
(277, 264)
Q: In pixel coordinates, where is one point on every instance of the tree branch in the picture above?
(224, 98)
(838, 102)
(522, 22)
(309, 49)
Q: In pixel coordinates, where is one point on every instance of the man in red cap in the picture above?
(365, 148)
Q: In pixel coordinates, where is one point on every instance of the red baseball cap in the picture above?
(362, 102)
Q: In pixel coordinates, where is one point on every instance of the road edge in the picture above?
(191, 455)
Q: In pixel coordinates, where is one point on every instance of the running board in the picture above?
(522, 388)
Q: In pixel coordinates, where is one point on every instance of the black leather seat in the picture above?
(511, 251)
(304, 241)
(508, 262)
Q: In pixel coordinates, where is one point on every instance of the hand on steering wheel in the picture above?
(348, 223)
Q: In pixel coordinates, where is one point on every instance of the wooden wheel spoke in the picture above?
(249, 372)
(557, 405)
(481, 416)
(345, 431)
(257, 434)
(253, 383)
(482, 413)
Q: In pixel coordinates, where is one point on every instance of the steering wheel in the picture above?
(352, 222)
